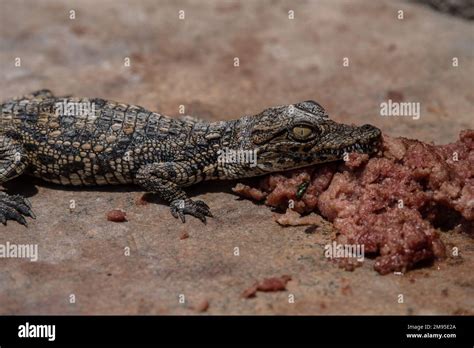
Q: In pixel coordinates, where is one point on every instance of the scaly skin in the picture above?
(126, 144)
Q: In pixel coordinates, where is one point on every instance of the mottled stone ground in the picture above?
(190, 62)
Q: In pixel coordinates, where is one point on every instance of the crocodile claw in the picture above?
(14, 207)
(179, 208)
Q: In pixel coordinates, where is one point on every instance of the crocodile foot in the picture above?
(197, 209)
(14, 207)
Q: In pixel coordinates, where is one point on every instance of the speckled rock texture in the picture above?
(153, 264)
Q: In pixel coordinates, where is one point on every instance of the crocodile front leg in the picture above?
(13, 163)
(167, 180)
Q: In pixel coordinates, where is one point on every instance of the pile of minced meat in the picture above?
(392, 203)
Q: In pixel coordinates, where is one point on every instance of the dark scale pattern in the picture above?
(80, 141)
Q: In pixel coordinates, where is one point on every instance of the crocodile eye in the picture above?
(302, 132)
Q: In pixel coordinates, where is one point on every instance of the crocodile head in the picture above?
(299, 135)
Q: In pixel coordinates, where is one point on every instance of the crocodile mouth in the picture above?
(367, 148)
(292, 160)
(366, 144)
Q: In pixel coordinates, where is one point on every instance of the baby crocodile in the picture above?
(81, 141)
